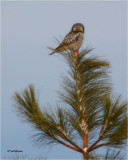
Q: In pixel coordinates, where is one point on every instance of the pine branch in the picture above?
(66, 138)
(78, 149)
(109, 155)
(93, 145)
(88, 81)
(114, 125)
(93, 85)
(98, 146)
(114, 122)
(112, 154)
(81, 106)
(28, 108)
(87, 109)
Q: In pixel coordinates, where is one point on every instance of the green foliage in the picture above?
(112, 154)
(85, 92)
(45, 122)
(114, 122)
(89, 77)
(109, 155)
(28, 108)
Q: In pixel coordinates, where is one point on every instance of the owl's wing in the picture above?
(70, 38)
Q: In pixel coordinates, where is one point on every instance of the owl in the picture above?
(73, 40)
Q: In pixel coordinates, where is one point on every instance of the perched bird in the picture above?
(73, 40)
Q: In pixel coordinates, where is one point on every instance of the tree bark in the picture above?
(85, 140)
(85, 145)
(82, 109)
(85, 155)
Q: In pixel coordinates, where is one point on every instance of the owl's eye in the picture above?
(81, 29)
(74, 29)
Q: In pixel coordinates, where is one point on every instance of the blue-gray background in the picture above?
(27, 29)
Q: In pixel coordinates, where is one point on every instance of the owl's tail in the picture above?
(52, 53)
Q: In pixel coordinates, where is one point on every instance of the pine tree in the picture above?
(92, 117)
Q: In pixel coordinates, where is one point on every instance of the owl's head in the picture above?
(78, 27)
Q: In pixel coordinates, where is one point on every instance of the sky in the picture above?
(27, 29)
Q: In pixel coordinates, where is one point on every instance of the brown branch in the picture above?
(85, 145)
(69, 146)
(82, 108)
(74, 145)
(93, 145)
(66, 139)
(98, 146)
(85, 140)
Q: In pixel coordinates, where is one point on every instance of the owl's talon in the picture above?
(74, 53)
(77, 52)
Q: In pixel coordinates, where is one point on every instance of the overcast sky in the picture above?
(27, 29)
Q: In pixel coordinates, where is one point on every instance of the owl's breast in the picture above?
(76, 45)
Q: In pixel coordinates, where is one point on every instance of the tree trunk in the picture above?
(85, 140)
(85, 156)
(85, 145)
(82, 109)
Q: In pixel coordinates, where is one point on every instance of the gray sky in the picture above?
(27, 29)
